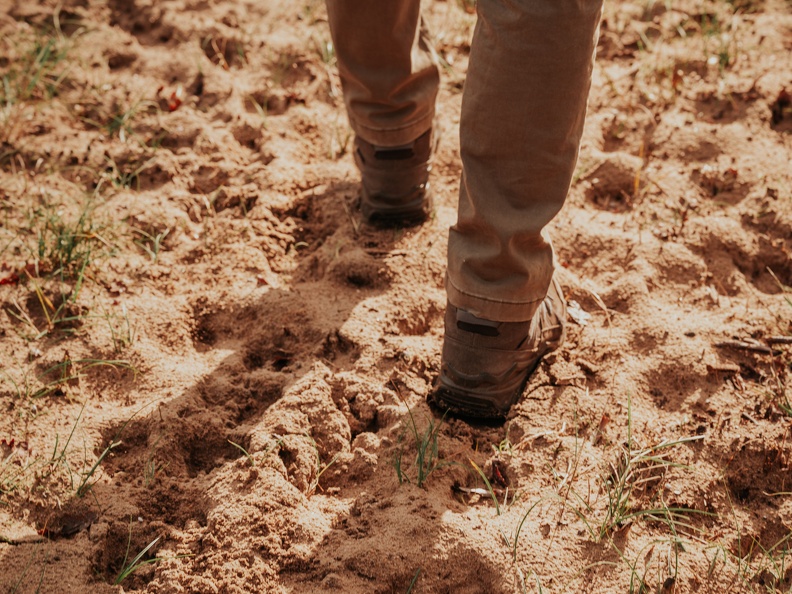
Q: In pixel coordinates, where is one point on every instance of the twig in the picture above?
(386, 252)
(723, 368)
(22, 540)
(745, 346)
(779, 340)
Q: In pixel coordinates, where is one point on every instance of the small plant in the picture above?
(326, 52)
(65, 317)
(514, 541)
(427, 458)
(261, 110)
(69, 370)
(505, 446)
(85, 485)
(59, 458)
(35, 70)
(271, 449)
(786, 406)
(244, 451)
(768, 566)
(121, 333)
(415, 579)
(490, 490)
(128, 174)
(150, 243)
(39, 71)
(14, 468)
(18, 468)
(137, 562)
(715, 28)
(64, 245)
(721, 556)
(320, 467)
(53, 245)
(775, 562)
(120, 122)
(637, 469)
(127, 569)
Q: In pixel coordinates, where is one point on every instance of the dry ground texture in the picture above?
(212, 377)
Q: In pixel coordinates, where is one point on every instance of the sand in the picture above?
(235, 382)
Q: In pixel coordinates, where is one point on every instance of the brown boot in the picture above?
(486, 364)
(395, 181)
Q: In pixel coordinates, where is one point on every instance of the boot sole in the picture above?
(468, 405)
(382, 214)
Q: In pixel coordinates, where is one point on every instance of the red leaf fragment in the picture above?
(8, 447)
(175, 100)
(499, 474)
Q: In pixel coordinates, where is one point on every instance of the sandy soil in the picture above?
(203, 350)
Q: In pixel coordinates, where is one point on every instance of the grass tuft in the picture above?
(636, 471)
(427, 456)
(137, 562)
(37, 68)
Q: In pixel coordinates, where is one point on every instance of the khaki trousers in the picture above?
(523, 108)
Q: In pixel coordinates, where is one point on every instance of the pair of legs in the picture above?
(523, 109)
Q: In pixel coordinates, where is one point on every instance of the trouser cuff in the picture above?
(385, 137)
(492, 309)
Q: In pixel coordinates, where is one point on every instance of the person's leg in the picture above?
(388, 70)
(389, 78)
(522, 118)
